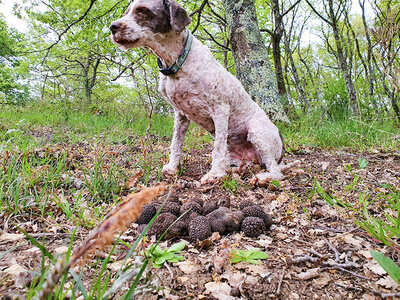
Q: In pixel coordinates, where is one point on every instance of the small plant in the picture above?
(388, 265)
(382, 228)
(161, 256)
(362, 163)
(251, 256)
(276, 184)
(104, 182)
(354, 183)
(230, 184)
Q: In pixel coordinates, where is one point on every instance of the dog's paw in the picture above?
(169, 171)
(211, 177)
(263, 179)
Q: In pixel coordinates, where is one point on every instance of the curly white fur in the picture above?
(203, 92)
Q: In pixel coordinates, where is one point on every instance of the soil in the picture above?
(315, 251)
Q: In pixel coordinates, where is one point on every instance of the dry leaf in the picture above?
(387, 282)
(61, 250)
(219, 290)
(353, 241)
(234, 279)
(375, 268)
(322, 281)
(264, 240)
(10, 237)
(14, 270)
(283, 197)
(309, 274)
(183, 279)
(324, 165)
(187, 267)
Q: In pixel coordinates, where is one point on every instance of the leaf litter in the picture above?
(303, 223)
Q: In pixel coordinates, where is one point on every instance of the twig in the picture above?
(363, 288)
(170, 271)
(278, 289)
(337, 255)
(352, 273)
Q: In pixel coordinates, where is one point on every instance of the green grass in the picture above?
(18, 126)
(359, 135)
(124, 125)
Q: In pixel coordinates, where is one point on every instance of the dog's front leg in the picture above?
(181, 124)
(220, 151)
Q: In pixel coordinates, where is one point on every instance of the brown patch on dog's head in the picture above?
(143, 18)
(155, 18)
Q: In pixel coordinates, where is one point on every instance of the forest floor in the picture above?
(315, 251)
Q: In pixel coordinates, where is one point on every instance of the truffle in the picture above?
(172, 207)
(161, 224)
(257, 211)
(209, 206)
(192, 206)
(199, 229)
(212, 205)
(224, 201)
(147, 214)
(253, 226)
(224, 220)
(246, 203)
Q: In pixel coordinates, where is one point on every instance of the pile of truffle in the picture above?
(200, 219)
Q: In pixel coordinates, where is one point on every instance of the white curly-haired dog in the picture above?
(202, 91)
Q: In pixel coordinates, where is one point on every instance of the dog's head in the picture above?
(146, 18)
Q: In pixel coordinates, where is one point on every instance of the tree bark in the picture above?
(252, 63)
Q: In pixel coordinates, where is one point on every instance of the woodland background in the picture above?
(348, 68)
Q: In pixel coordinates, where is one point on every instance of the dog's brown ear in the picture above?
(179, 18)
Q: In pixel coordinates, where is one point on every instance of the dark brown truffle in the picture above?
(199, 229)
(192, 206)
(253, 226)
(161, 224)
(212, 205)
(147, 214)
(224, 220)
(209, 206)
(257, 211)
(246, 203)
(172, 207)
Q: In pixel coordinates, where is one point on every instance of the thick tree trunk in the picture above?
(252, 63)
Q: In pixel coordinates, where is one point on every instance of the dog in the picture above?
(200, 90)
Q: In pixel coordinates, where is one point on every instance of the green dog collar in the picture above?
(181, 59)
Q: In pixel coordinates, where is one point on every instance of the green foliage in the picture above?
(384, 224)
(362, 163)
(387, 264)
(160, 256)
(387, 225)
(13, 71)
(104, 182)
(251, 256)
(230, 184)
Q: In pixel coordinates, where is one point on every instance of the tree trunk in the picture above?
(276, 37)
(342, 60)
(252, 63)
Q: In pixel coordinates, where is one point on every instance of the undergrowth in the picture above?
(45, 124)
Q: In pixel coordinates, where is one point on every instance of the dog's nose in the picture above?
(115, 26)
